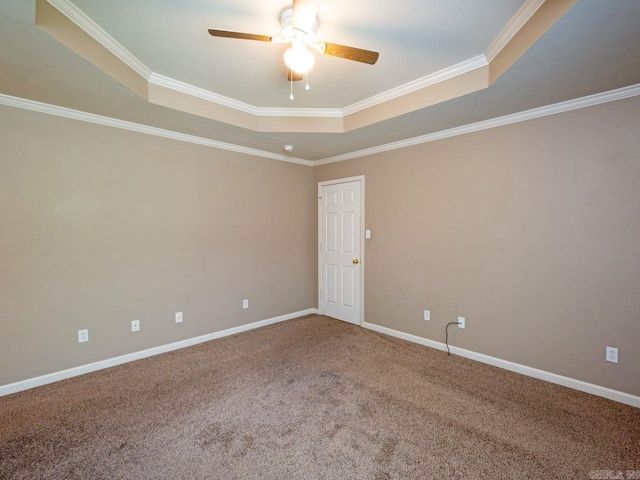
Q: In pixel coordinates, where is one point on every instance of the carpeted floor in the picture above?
(311, 398)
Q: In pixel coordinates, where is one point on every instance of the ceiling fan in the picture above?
(299, 26)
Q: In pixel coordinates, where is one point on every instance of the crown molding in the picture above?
(518, 21)
(198, 92)
(83, 21)
(588, 101)
(64, 112)
(210, 96)
(410, 87)
(300, 112)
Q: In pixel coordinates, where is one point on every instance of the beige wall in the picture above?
(100, 226)
(531, 231)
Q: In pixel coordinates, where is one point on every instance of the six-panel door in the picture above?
(339, 246)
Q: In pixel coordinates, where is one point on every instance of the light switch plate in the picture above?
(367, 233)
(178, 317)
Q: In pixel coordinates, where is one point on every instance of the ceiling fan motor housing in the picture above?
(291, 34)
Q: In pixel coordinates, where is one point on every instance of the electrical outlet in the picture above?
(135, 325)
(427, 315)
(245, 303)
(178, 317)
(462, 323)
(83, 335)
(612, 355)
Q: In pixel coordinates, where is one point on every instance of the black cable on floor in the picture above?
(446, 338)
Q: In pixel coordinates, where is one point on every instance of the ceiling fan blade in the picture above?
(351, 53)
(296, 76)
(304, 14)
(241, 36)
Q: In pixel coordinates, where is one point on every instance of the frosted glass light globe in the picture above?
(299, 59)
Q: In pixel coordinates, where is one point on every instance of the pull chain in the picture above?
(307, 87)
(291, 77)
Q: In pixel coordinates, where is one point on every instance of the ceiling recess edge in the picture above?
(181, 96)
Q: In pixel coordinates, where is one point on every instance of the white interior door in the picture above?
(340, 244)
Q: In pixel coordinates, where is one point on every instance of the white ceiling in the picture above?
(592, 49)
(415, 38)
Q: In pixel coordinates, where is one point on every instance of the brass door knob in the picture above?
(356, 261)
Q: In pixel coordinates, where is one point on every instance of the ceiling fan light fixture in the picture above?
(299, 59)
(299, 26)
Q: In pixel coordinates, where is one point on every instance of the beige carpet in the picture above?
(311, 398)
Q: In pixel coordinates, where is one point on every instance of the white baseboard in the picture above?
(130, 357)
(605, 392)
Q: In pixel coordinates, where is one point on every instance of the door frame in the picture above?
(359, 178)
